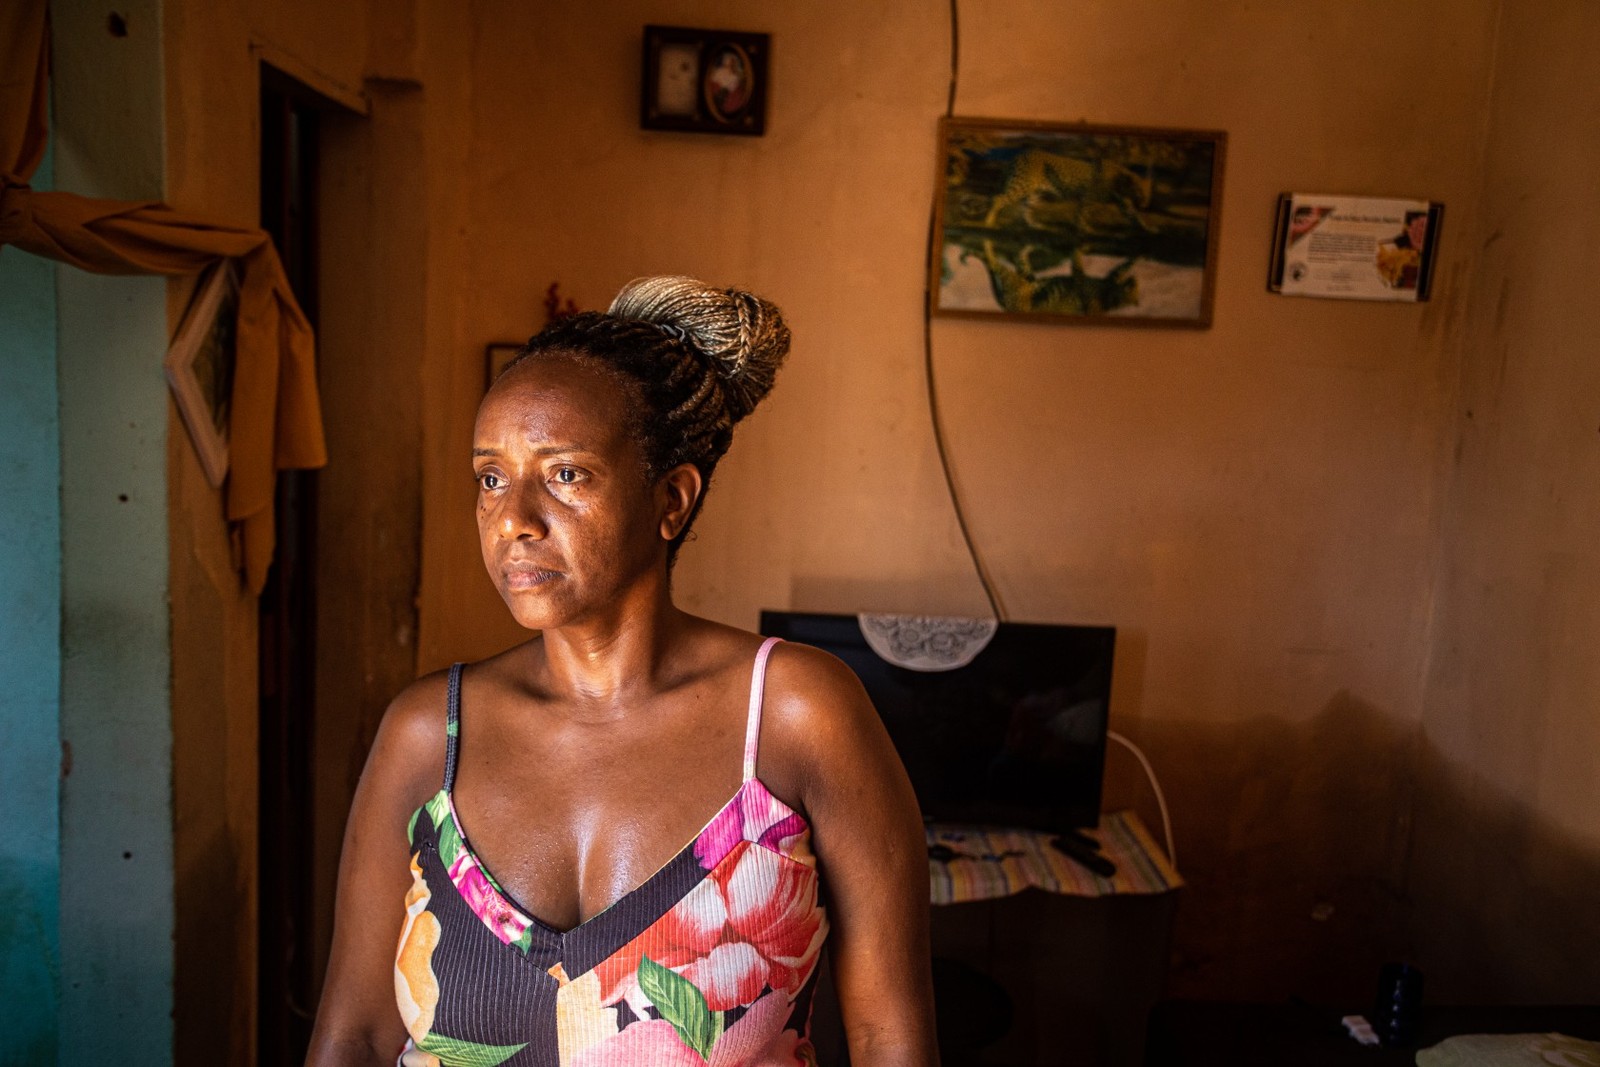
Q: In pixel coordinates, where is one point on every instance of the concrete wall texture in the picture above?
(1348, 546)
(116, 708)
(30, 652)
(85, 713)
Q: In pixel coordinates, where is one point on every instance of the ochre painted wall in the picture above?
(1507, 839)
(1255, 506)
(213, 168)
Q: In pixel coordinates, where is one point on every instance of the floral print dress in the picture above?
(712, 961)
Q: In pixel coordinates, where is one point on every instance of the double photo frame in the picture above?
(705, 81)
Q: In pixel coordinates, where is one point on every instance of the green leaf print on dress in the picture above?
(444, 822)
(454, 1053)
(682, 1005)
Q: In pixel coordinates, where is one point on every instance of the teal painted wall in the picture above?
(116, 706)
(30, 660)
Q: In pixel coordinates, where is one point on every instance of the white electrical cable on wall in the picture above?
(1161, 800)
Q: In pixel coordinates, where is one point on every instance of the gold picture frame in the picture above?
(1076, 223)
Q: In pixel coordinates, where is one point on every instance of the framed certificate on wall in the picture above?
(1354, 247)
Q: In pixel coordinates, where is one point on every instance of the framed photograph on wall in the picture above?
(1076, 223)
(1354, 247)
(705, 81)
(200, 365)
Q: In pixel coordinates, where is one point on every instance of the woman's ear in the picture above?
(681, 486)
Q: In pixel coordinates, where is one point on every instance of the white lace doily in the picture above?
(927, 642)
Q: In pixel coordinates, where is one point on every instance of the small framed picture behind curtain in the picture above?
(705, 81)
(200, 364)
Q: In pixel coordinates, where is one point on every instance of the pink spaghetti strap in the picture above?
(752, 731)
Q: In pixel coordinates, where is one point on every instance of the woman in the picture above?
(582, 760)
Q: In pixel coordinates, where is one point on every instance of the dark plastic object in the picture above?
(1398, 1009)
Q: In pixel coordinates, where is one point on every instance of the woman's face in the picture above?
(567, 522)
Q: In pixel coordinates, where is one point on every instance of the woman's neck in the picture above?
(607, 662)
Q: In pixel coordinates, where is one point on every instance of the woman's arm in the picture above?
(357, 1020)
(834, 754)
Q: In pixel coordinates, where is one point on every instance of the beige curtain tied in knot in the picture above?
(276, 417)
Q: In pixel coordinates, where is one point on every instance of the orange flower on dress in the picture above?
(416, 987)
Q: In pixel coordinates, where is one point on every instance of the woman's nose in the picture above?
(522, 516)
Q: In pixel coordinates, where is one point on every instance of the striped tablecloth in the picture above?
(997, 863)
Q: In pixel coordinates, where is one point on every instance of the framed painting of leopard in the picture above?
(1076, 223)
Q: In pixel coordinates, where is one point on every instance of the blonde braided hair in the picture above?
(743, 336)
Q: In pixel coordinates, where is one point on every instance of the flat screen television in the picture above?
(1015, 737)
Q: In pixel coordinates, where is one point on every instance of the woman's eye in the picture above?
(489, 481)
(567, 475)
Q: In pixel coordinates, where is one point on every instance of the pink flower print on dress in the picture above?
(729, 975)
(688, 932)
(773, 906)
(754, 815)
(485, 900)
(652, 1041)
(754, 923)
(758, 1039)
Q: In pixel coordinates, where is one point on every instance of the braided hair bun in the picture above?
(742, 337)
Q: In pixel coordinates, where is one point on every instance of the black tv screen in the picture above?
(1015, 737)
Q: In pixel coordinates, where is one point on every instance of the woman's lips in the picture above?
(526, 576)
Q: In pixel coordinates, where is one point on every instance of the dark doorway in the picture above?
(290, 117)
(340, 189)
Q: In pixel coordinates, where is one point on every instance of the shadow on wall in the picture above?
(1291, 838)
(1506, 908)
(1315, 851)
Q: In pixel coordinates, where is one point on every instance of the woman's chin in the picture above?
(536, 609)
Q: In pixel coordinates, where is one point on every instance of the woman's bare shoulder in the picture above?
(409, 749)
(816, 717)
(418, 712)
(807, 681)
(825, 747)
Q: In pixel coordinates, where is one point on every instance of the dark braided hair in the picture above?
(697, 359)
